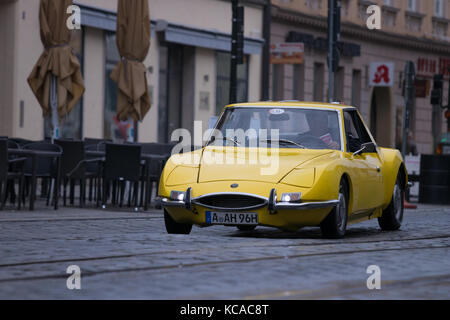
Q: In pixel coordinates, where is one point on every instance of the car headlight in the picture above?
(177, 195)
(291, 197)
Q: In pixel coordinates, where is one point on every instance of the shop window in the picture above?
(356, 88)
(339, 78)
(318, 85)
(223, 61)
(278, 82)
(299, 82)
(114, 129)
(71, 125)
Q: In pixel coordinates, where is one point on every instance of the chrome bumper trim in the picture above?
(172, 203)
(271, 203)
(305, 205)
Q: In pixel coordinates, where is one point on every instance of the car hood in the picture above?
(252, 164)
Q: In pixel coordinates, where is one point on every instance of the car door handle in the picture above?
(378, 169)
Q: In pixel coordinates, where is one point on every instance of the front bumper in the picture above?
(271, 203)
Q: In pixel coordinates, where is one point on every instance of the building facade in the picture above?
(187, 67)
(411, 30)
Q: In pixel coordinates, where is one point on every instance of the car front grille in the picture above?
(231, 201)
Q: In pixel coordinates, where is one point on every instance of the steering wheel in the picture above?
(310, 140)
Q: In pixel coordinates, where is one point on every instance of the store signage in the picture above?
(346, 49)
(286, 53)
(382, 74)
(422, 88)
(430, 67)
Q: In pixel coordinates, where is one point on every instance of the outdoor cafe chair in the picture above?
(122, 163)
(46, 167)
(74, 167)
(94, 141)
(11, 169)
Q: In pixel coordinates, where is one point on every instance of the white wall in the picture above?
(148, 129)
(94, 81)
(205, 66)
(7, 50)
(28, 48)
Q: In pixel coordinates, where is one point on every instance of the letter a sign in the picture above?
(382, 74)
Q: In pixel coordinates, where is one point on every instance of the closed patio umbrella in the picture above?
(56, 78)
(133, 42)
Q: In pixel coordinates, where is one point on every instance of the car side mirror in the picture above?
(368, 147)
(360, 151)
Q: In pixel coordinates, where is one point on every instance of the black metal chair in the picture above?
(13, 167)
(9, 173)
(74, 167)
(46, 168)
(122, 163)
(155, 168)
(95, 141)
(22, 142)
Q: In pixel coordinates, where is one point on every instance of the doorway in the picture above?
(381, 116)
(176, 89)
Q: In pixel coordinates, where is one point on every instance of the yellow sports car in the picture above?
(285, 165)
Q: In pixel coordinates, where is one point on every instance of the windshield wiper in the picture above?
(284, 141)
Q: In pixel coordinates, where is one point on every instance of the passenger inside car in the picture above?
(319, 127)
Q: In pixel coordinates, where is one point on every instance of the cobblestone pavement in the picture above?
(128, 255)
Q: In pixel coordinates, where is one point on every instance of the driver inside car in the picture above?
(318, 127)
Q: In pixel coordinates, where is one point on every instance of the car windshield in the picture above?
(285, 127)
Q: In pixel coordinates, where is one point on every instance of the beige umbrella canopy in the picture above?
(57, 60)
(133, 42)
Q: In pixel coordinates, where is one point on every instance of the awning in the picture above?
(106, 20)
(204, 38)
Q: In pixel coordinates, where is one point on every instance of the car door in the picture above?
(373, 160)
(365, 167)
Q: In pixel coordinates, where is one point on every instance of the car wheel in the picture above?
(246, 228)
(174, 227)
(393, 215)
(335, 225)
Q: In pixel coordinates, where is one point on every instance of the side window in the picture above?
(351, 133)
(363, 134)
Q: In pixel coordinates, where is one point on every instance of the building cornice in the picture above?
(353, 30)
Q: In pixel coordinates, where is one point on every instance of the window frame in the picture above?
(360, 128)
(440, 12)
(414, 5)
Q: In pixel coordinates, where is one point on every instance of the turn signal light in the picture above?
(439, 149)
(447, 114)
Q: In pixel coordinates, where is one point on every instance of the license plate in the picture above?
(232, 218)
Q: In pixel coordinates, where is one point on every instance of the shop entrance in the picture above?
(176, 87)
(381, 116)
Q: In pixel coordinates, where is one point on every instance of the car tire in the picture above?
(393, 215)
(246, 228)
(174, 227)
(335, 224)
